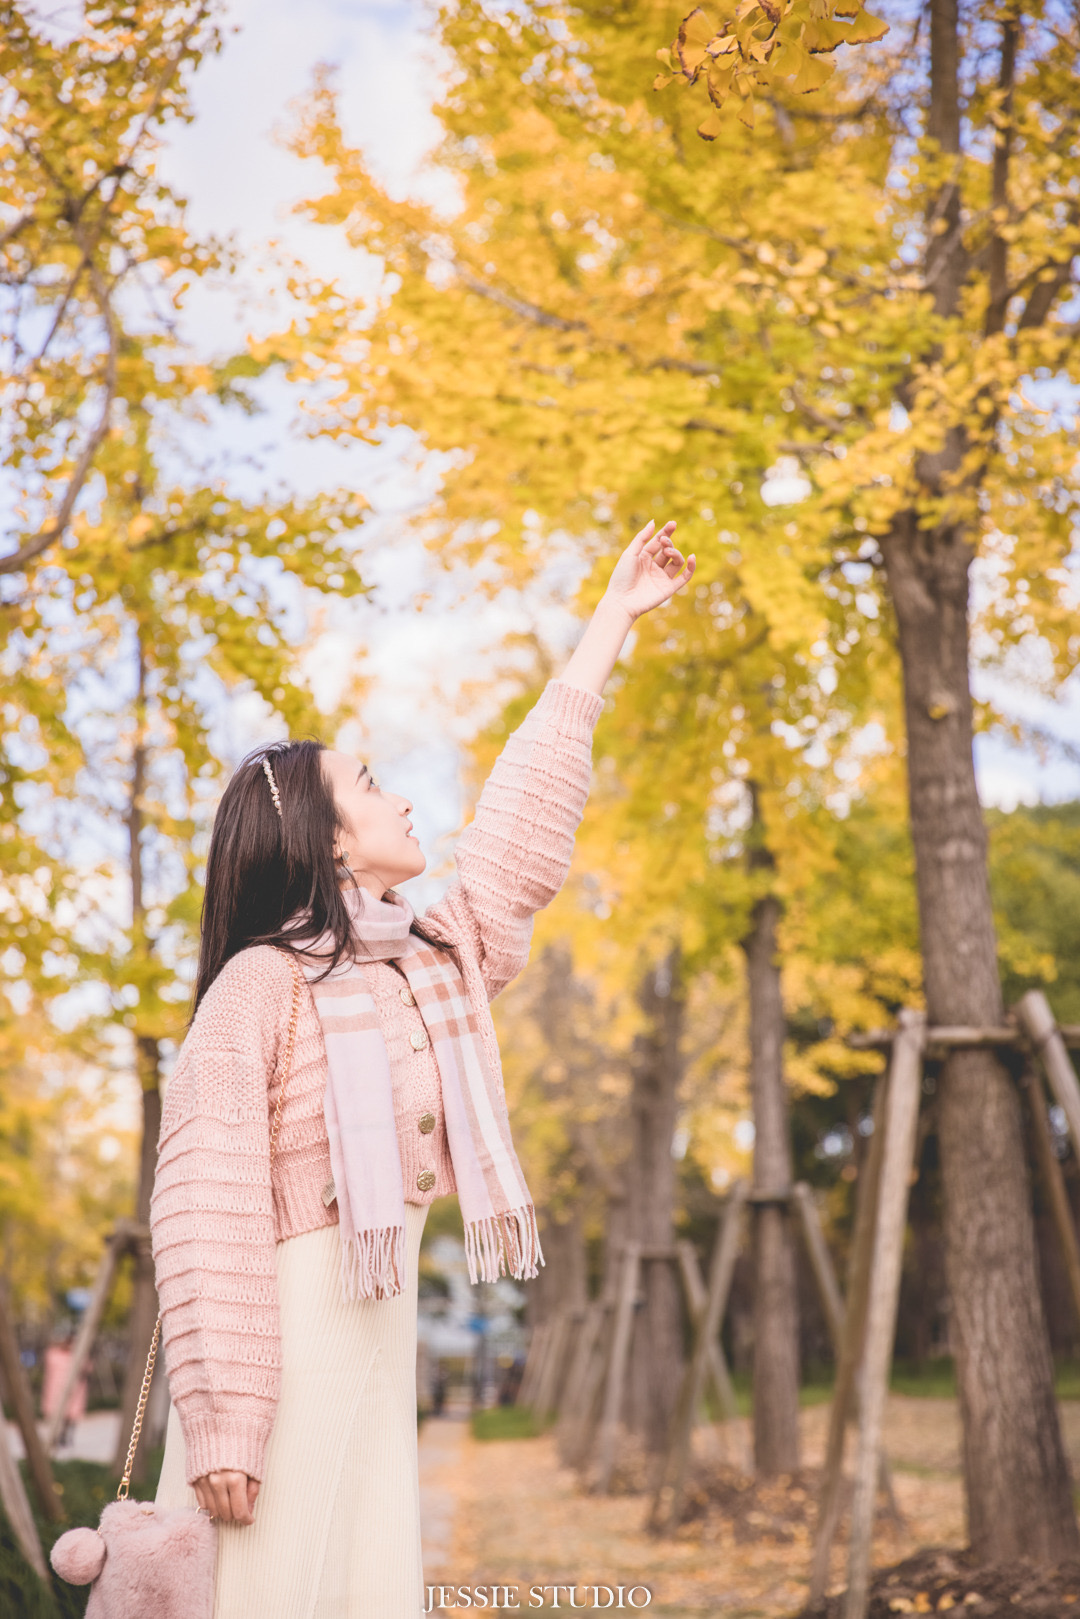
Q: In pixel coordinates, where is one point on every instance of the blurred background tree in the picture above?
(139, 591)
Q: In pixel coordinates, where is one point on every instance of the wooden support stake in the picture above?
(616, 1378)
(902, 1110)
(667, 1502)
(696, 1298)
(580, 1384)
(16, 1506)
(1037, 1022)
(546, 1398)
(534, 1361)
(576, 1444)
(820, 1263)
(88, 1327)
(832, 1303)
(850, 1352)
(1054, 1182)
(22, 1409)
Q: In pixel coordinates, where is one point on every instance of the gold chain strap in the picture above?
(151, 1359)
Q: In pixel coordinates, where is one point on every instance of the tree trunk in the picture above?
(776, 1311)
(562, 1284)
(656, 1355)
(1018, 1492)
(144, 1308)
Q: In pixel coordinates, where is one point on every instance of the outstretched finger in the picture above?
(642, 538)
(677, 581)
(687, 573)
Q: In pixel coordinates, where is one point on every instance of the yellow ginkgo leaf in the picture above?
(865, 30)
(719, 82)
(812, 74)
(824, 36)
(695, 32)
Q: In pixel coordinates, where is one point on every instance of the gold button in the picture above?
(407, 995)
(426, 1180)
(426, 1122)
(418, 1039)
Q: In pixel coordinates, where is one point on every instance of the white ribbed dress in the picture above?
(337, 1523)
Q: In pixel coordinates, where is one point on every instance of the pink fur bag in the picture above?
(146, 1561)
(143, 1561)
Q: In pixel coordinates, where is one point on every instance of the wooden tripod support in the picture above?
(881, 1213)
(578, 1360)
(123, 1238)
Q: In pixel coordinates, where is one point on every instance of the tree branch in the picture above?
(999, 187)
(120, 170)
(53, 531)
(518, 306)
(9, 233)
(88, 243)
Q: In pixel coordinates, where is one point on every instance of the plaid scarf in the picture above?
(498, 1213)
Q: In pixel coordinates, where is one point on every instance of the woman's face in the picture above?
(378, 842)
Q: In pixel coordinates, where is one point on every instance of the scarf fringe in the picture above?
(373, 1262)
(504, 1244)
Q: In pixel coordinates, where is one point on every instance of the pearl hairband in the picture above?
(273, 787)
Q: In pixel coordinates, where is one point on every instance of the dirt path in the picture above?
(519, 1520)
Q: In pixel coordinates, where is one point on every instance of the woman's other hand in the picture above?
(648, 573)
(228, 1497)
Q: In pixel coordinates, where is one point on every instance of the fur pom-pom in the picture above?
(78, 1556)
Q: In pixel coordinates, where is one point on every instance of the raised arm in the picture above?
(212, 1225)
(647, 575)
(514, 856)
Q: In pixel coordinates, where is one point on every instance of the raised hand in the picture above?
(649, 572)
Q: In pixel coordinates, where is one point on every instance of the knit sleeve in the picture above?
(514, 856)
(212, 1223)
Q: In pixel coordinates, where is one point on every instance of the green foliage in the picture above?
(1035, 879)
(86, 1487)
(506, 1422)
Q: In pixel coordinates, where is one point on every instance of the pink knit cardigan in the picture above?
(217, 1209)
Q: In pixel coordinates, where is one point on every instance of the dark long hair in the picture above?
(273, 879)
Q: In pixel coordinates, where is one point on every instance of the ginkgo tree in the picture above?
(761, 44)
(621, 320)
(964, 453)
(548, 331)
(140, 591)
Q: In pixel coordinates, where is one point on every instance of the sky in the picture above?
(231, 164)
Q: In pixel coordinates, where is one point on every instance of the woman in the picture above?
(287, 1278)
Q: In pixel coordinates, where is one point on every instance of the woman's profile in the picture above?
(340, 1072)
